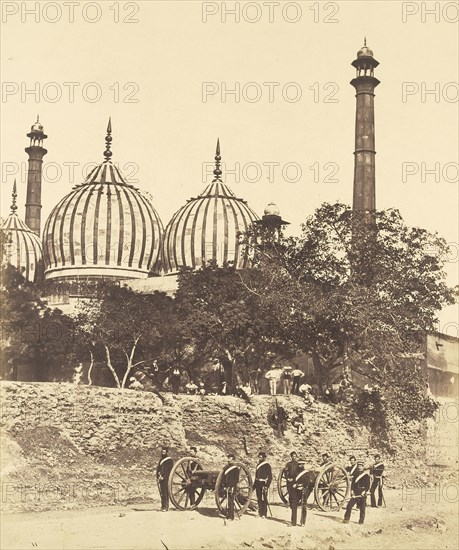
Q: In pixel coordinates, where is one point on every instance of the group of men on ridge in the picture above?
(300, 484)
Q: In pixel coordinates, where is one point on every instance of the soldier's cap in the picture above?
(262, 454)
(164, 448)
(231, 455)
(360, 463)
(293, 453)
(195, 449)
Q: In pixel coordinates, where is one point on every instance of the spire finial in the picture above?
(364, 40)
(108, 141)
(14, 196)
(218, 158)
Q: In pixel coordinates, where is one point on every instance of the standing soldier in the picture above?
(359, 489)
(230, 480)
(292, 469)
(352, 466)
(162, 476)
(263, 478)
(190, 470)
(378, 474)
(304, 483)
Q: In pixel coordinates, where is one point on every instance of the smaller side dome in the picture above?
(271, 210)
(37, 126)
(23, 247)
(365, 52)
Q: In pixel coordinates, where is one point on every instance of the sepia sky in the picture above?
(149, 75)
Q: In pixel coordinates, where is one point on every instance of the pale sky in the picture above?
(168, 131)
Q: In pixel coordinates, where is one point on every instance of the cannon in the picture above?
(331, 486)
(188, 482)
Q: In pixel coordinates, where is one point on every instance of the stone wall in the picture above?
(99, 420)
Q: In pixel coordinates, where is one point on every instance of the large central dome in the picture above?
(104, 228)
(206, 228)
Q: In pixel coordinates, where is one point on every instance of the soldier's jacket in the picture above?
(231, 475)
(292, 469)
(360, 484)
(164, 467)
(378, 470)
(192, 467)
(305, 478)
(263, 473)
(351, 469)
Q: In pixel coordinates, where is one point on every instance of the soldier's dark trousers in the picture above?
(376, 485)
(304, 500)
(230, 510)
(262, 497)
(294, 499)
(164, 491)
(361, 503)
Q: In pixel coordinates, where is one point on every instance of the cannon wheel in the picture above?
(282, 485)
(331, 487)
(243, 491)
(180, 487)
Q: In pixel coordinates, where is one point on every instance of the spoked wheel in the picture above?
(183, 491)
(243, 491)
(282, 485)
(331, 487)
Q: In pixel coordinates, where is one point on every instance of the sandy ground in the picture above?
(414, 522)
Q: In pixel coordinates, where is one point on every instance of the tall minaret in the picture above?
(36, 152)
(364, 156)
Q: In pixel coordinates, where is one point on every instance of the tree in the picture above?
(224, 320)
(124, 328)
(357, 295)
(37, 342)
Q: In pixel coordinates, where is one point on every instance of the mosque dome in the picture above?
(23, 247)
(103, 229)
(365, 51)
(37, 126)
(271, 210)
(206, 228)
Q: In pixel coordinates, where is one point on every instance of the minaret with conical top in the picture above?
(36, 152)
(364, 197)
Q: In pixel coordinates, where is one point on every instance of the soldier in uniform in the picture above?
(263, 478)
(352, 466)
(229, 482)
(162, 476)
(304, 483)
(190, 469)
(378, 473)
(360, 486)
(292, 469)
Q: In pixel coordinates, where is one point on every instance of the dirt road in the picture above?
(417, 521)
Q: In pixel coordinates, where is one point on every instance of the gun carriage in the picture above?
(189, 481)
(331, 485)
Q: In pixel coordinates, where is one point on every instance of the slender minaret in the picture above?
(36, 152)
(364, 198)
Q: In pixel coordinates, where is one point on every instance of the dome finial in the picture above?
(108, 141)
(364, 40)
(14, 196)
(218, 158)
